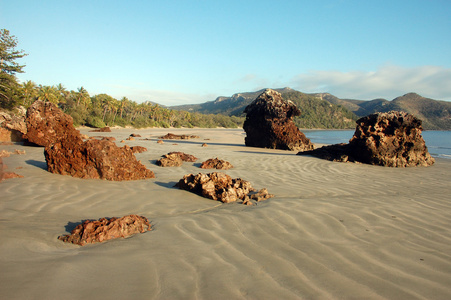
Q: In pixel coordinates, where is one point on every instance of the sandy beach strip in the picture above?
(332, 231)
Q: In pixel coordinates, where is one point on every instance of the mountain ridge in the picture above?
(435, 114)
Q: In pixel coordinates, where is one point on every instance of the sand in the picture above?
(332, 231)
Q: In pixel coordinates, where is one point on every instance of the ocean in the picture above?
(438, 142)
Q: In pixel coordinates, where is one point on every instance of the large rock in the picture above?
(216, 163)
(12, 125)
(98, 159)
(106, 229)
(220, 187)
(269, 124)
(47, 124)
(175, 159)
(391, 139)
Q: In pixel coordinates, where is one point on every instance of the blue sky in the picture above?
(184, 52)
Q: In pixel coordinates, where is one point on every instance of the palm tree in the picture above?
(48, 94)
(82, 96)
(29, 92)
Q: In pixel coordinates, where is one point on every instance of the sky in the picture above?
(186, 52)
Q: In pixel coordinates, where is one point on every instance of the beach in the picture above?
(332, 231)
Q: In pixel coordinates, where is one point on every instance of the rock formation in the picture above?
(138, 149)
(98, 159)
(46, 124)
(269, 124)
(216, 163)
(171, 136)
(103, 129)
(219, 186)
(391, 139)
(175, 159)
(107, 229)
(12, 126)
(6, 175)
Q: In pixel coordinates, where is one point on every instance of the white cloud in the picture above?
(387, 82)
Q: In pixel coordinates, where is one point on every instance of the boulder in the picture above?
(217, 186)
(269, 124)
(92, 231)
(175, 159)
(98, 159)
(391, 139)
(171, 136)
(216, 163)
(12, 126)
(47, 124)
(138, 149)
(103, 129)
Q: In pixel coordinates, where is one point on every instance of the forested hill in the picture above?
(323, 110)
(435, 114)
(315, 112)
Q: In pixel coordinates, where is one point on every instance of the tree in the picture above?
(9, 67)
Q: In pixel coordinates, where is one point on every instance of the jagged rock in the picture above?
(217, 186)
(269, 124)
(261, 195)
(98, 159)
(175, 159)
(47, 124)
(216, 163)
(171, 136)
(104, 129)
(170, 160)
(391, 139)
(104, 229)
(138, 149)
(12, 126)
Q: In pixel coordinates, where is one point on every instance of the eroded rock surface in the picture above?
(391, 139)
(216, 163)
(47, 124)
(12, 126)
(218, 186)
(171, 136)
(106, 229)
(269, 124)
(98, 159)
(175, 159)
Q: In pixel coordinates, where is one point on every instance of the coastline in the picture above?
(332, 231)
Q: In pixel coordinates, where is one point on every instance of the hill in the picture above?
(315, 112)
(323, 110)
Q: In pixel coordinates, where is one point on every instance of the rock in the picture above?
(217, 186)
(204, 145)
(269, 124)
(216, 163)
(170, 160)
(12, 126)
(98, 159)
(106, 229)
(185, 157)
(135, 135)
(160, 142)
(171, 136)
(138, 149)
(104, 129)
(5, 153)
(47, 124)
(261, 195)
(20, 152)
(391, 139)
(130, 138)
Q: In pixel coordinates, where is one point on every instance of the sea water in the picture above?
(438, 142)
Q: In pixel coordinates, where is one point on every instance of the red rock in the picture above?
(4, 153)
(171, 136)
(135, 135)
(391, 139)
(7, 175)
(104, 129)
(184, 156)
(160, 142)
(269, 124)
(204, 145)
(12, 126)
(107, 229)
(98, 159)
(170, 160)
(47, 124)
(138, 149)
(217, 186)
(216, 163)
